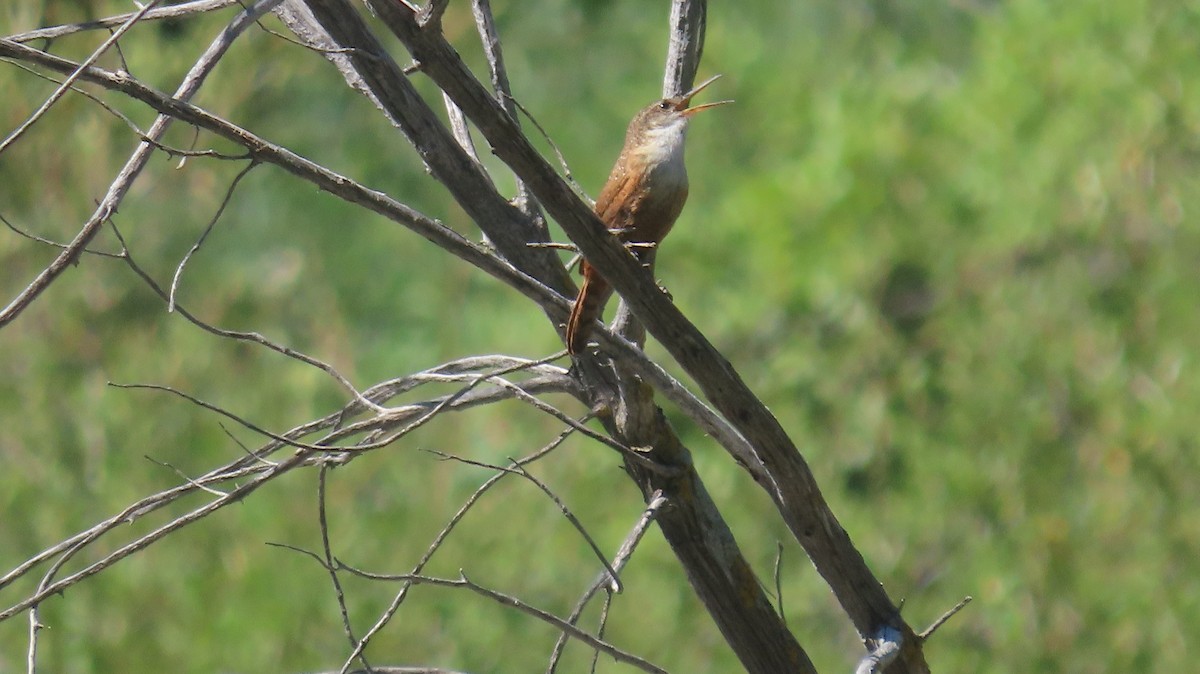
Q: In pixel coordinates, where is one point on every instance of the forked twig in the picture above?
(604, 582)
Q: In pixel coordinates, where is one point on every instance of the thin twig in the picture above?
(204, 235)
(48, 589)
(252, 337)
(246, 423)
(562, 160)
(169, 12)
(330, 563)
(518, 469)
(137, 161)
(33, 237)
(545, 616)
(185, 477)
(171, 151)
(944, 617)
(392, 608)
(629, 452)
(489, 37)
(246, 450)
(66, 85)
(603, 581)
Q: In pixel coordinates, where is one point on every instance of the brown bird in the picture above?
(641, 200)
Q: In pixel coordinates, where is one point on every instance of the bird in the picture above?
(643, 196)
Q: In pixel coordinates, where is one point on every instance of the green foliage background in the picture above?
(952, 246)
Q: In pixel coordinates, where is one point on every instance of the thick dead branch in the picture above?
(691, 523)
(791, 483)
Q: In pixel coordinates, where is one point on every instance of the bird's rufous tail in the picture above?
(588, 306)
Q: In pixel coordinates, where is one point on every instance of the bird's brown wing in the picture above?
(617, 202)
(616, 209)
(635, 216)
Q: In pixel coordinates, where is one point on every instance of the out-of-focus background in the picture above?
(951, 245)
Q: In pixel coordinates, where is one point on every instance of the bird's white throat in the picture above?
(662, 148)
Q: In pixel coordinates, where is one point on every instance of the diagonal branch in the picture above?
(791, 485)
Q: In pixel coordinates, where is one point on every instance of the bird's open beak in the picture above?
(687, 98)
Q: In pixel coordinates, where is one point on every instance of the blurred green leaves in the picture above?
(949, 244)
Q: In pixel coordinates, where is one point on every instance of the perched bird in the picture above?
(643, 196)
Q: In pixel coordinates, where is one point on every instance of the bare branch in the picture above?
(518, 469)
(204, 235)
(688, 21)
(133, 167)
(254, 465)
(336, 184)
(330, 564)
(152, 14)
(562, 507)
(568, 175)
(944, 617)
(185, 477)
(540, 614)
(605, 581)
(66, 85)
(240, 420)
(506, 227)
(35, 627)
(630, 453)
(791, 483)
(252, 337)
(33, 237)
(49, 589)
(398, 670)
(485, 23)
(430, 229)
(130, 123)
(388, 613)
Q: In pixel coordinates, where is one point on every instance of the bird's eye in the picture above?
(664, 104)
